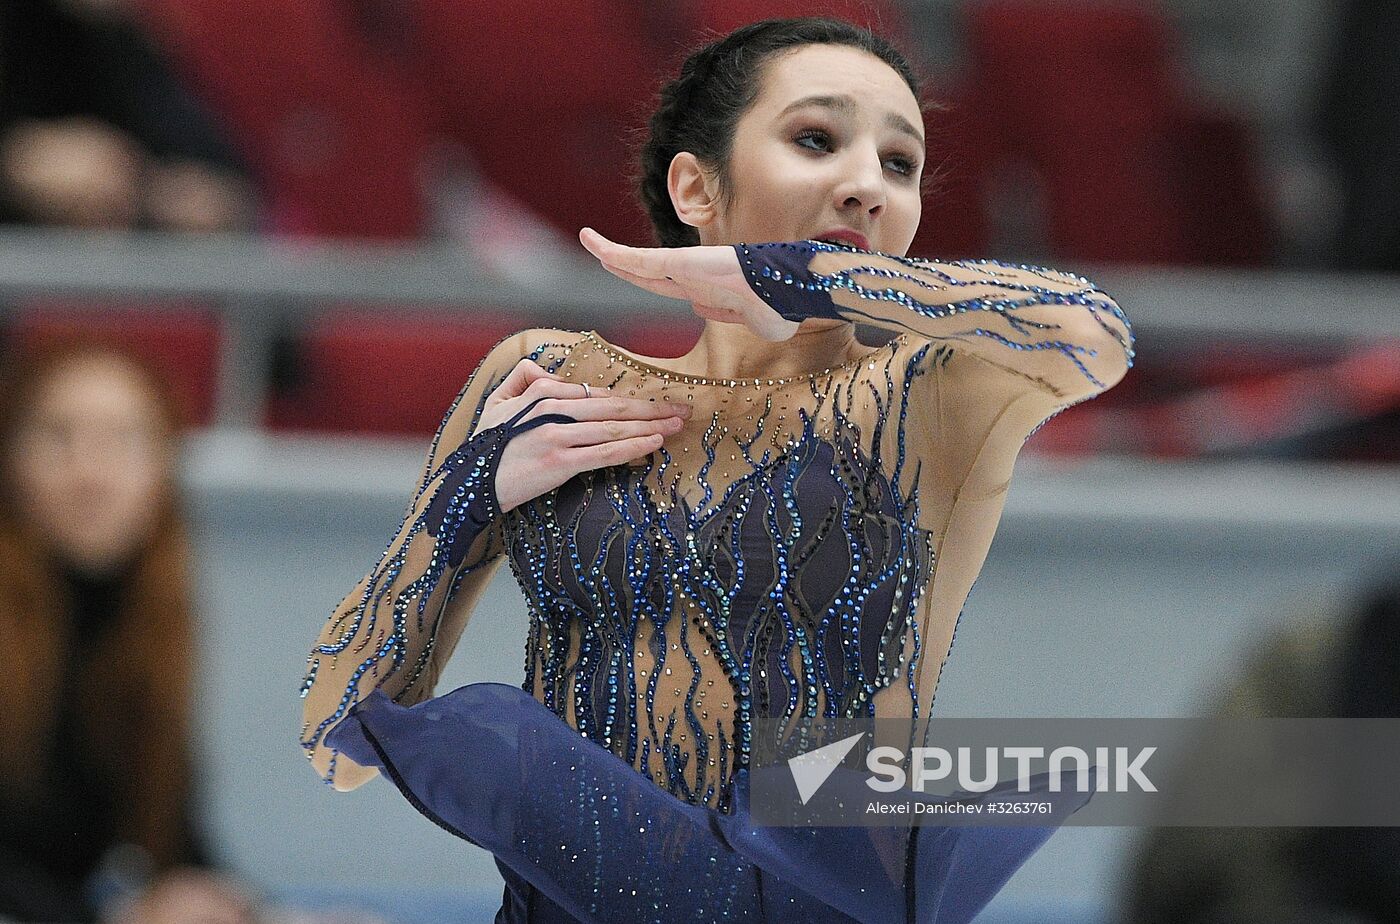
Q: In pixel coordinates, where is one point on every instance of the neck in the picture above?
(732, 351)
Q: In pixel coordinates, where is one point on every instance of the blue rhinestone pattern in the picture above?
(927, 300)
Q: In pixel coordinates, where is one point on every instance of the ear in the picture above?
(694, 192)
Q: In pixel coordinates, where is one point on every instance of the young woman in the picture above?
(781, 524)
(97, 626)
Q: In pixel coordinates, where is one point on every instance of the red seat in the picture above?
(954, 224)
(183, 344)
(1083, 93)
(332, 129)
(883, 17)
(1218, 179)
(391, 374)
(1132, 167)
(546, 99)
(555, 113)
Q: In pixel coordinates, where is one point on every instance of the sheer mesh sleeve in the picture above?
(400, 623)
(1054, 330)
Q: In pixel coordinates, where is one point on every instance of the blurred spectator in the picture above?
(1327, 667)
(1360, 122)
(96, 626)
(96, 132)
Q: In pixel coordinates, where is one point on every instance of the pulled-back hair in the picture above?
(699, 110)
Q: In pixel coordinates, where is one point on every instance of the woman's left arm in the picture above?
(1053, 329)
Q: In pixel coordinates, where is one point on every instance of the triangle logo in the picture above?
(811, 770)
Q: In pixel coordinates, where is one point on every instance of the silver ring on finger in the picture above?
(585, 389)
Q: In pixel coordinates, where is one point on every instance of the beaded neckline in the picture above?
(628, 360)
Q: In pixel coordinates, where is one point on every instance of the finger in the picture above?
(657, 269)
(620, 408)
(525, 372)
(609, 407)
(604, 431)
(597, 244)
(614, 453)
(666, 287)
(542, 396)
(708, 301)
(656, 263)
(559, 388)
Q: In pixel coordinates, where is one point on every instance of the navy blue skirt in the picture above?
(580, 836)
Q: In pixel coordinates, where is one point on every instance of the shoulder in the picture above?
(940, 366)
(537, 344)
(545, 346)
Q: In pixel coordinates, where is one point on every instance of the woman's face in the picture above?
(833, 141)
(90, 463)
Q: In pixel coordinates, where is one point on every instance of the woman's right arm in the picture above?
(399, 625)
(400, 622)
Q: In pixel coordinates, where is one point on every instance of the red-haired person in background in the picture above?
(96, 625)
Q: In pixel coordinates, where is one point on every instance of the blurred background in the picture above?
(286, 231)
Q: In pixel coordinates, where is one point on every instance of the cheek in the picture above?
(39, 489)
(772, 184)
(61, 499)
(904, 218)
(130, 494)
(121, 521)
(782, 213)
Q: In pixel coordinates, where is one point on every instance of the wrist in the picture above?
(465, 501)
(780, 274)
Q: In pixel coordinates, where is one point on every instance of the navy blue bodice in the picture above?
(661, 629)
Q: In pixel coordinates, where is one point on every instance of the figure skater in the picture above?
(782, 523)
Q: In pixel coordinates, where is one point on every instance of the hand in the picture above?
(611, 430)
(709, 277)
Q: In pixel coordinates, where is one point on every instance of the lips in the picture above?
(844, 236)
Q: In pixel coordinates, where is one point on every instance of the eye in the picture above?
(822, 139)
(906, 165)
(909, 167)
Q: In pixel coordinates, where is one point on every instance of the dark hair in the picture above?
(699, 109)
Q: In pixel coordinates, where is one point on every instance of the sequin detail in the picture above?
(769, 566)
(781, 274)
(461, 506)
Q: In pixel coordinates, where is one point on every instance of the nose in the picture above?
(90, 470)
(862, 187)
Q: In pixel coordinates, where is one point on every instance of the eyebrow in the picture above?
(844, 104)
